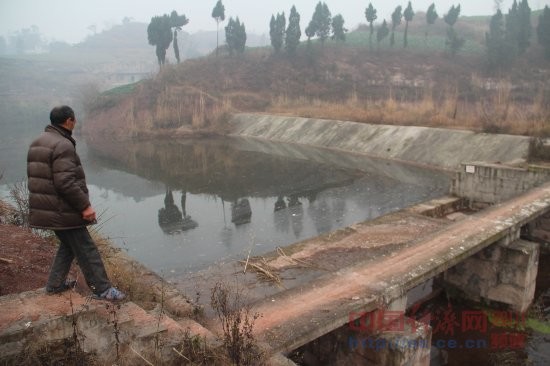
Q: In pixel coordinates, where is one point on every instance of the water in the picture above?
(178, 206)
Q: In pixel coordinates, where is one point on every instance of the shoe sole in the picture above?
(96, 297)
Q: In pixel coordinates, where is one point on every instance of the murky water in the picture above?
(178, 206)
(220, 199)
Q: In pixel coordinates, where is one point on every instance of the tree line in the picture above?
(508, 36)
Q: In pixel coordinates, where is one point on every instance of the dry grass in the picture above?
(343, 83)
(237, 321)
(496, 113)
(121, 272)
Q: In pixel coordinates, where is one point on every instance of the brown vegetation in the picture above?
(345, 83)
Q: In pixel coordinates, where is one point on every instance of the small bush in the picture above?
(237, 325)
(19, 194)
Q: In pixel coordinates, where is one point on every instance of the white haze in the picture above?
(71, 21)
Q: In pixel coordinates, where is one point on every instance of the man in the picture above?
(59, 201)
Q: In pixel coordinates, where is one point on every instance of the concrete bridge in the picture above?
(485, 246)
(369, 270)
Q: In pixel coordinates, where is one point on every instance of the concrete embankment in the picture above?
(437, 147)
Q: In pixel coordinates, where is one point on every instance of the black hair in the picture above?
(60, 114)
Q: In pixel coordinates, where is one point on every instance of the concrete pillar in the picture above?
(403, 342)
(539, 232)
(503, 273)
(387, 337)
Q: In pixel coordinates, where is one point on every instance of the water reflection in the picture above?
(219, 168)
(241, 212)
(171, 219)
(217, 199)
(289, 218)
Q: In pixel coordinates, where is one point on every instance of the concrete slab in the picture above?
(444, 148)
(296, 316)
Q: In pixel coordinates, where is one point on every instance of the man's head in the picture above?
(63, 116)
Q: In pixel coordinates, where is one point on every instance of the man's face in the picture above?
(70, 123)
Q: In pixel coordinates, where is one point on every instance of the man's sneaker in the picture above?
(67, 285)
(111, 294)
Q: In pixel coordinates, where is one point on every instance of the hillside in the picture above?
(414, 86)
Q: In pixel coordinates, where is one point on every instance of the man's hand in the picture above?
(88, 214)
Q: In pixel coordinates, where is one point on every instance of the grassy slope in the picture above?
(420, 85)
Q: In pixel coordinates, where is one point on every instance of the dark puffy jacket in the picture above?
(57, 185)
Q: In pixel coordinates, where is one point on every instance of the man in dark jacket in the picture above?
(59, 201)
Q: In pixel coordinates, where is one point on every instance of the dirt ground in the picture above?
(25, 259)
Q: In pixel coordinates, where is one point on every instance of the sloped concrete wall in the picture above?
(442, 148)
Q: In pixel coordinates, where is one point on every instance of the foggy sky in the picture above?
(69, 20)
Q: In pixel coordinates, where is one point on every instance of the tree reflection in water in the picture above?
(171, 220)
(241, 212)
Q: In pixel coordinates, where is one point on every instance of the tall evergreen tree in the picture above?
(159, 34)
(241, 37)
(230, 35)
(454, 42)
(338, 30)
(512, 28)
(525, 29)
(370, 15)
(293, 32)
(431, 17)
(495, 41)
(408, 14)
(452, 16)
(273, 31)
(218, 13)
(176, 47)
(310, 31)
(177, 21)
(320, 24)
(382, 32)
(277, 31)
(395, 21)
(543, 31)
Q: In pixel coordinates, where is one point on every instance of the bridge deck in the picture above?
(303, 313)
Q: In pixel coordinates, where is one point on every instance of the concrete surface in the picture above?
(484, 183)
(502, 273)
(299, 315)
(443, 148)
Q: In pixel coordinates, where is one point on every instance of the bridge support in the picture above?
(387, 337)
(502, 273)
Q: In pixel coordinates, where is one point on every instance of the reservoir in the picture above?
(179, 206)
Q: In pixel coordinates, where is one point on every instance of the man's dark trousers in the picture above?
(77, 243)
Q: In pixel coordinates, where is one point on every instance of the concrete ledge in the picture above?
(443, 148)
(300, 315)
(485, 183)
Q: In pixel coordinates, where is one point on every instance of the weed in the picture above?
(237, 325)
(66, 351)
(194, 350)
(54, 353)
(159, 318)
(19, 194)
(77, 354)
(198, 310)
(113, 312)
(538, 150)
